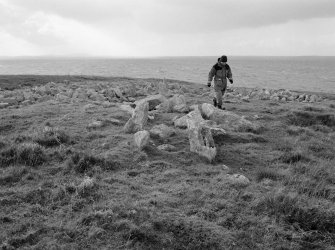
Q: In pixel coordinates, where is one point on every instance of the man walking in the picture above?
(220, 71)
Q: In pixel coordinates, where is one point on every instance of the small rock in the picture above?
(161, 131)
(26, 102)
(9, 101)
(89, 107)
(153, 100)
(313, 98)
(237, 179)
(127, 108)
(181, 122)
(166, 147)
(141, 138)
(3, 105)
(95, 125)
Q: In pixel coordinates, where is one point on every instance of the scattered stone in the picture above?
(141, 139)
(163, 89)
(95, 125)
(207, 110)
(107, 104)
(9, 101)
(44, 98)
(153, 100)
(3, 105)
(162, 131)
(237, 179)
(139, 118)
(62, 98)
(113, 121)
(89, 108)
(166, 147)
(26, 102)
(127, 108)
(177, 103)
(313, 98)
(246, 99)
(181, 122)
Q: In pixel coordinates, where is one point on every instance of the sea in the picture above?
(303, 73)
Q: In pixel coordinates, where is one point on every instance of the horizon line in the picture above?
(148, 57)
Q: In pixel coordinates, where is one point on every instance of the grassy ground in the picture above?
(74, 188)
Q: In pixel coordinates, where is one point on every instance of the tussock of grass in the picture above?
(255, 129)
(30, 154)
(51, 137)
(88, 188)
(12, 175)
(316, 180)
(305, 119)
(292, 211)
(292, 157)
(321, 148)
(84, 163)
(267, 173)
(321, 128)
(295, 130)
(313, 109)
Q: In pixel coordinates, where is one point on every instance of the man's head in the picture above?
(223, 59)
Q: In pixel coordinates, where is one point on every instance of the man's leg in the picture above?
(218, 95)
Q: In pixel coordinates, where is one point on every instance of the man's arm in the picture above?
(211, 74)
(230, 75)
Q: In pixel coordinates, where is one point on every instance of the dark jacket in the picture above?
(220, 74)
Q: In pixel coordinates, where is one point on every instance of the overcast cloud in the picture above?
(167, 27)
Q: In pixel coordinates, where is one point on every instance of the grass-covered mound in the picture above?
(63, 185)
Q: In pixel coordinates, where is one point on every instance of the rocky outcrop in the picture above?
(139, 118)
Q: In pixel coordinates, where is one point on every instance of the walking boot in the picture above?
(215, 102)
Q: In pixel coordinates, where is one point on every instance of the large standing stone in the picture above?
(162, 131)
(141, 138)
(201, 139)
(139, 118)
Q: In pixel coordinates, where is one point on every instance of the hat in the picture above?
(223, 59)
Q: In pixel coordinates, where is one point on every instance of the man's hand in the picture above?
(209, 84)
(231, 80)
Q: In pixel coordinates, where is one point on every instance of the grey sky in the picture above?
(167, 27)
